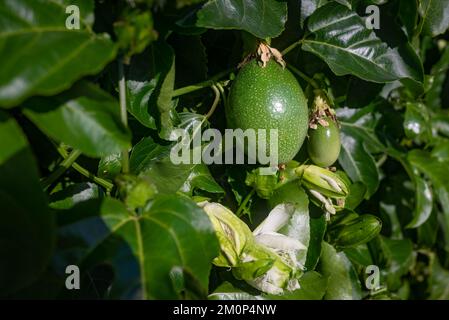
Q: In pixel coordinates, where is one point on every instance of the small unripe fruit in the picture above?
(324, 144)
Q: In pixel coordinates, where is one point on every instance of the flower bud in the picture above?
(326, 182)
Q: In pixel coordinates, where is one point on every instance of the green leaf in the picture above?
(416, 122)
(358, 141)
(85, 117)
(359, 255)
(435, 169)
(201, 178)
(173, 232)
(145, 153)
(226, 291)
(264, 19)
(343, 283)
(439, 73)
(139, 94)
(73, 194)
(428, 231)
(317, 230)
(150, 84)
(435, 16)
(408, 14)
(32, 29)
(27, 225)
(153, 160)
(424, 203)
(308, 7)
(361, 123)
(348, 47)
(439, 281)
(357, 162)
(313, 287)
(399, 255)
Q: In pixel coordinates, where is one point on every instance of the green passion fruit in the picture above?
(267, 98)
(324, 144)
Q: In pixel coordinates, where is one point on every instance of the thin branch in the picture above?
(104, 183)
(63, 167)
(215, 103)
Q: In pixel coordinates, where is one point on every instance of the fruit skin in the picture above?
(323, 144)
(269, 98)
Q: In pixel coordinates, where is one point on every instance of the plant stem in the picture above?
(105, 184)
(63, 167)
(123, 112)
(304, 76)
(201, 85)
(215, 103)
(244, 203)
(291, 47)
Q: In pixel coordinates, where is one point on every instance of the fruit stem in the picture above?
(215, 103)
(105, 184)
(304, 76)
(201, 85)
(123, 112)
(63, 167)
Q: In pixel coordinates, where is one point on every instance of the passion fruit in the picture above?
(323, 144)
(268, 98)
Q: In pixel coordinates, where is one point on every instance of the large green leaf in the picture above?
(84, 117)
(348, 47)
(343, 283)
(435, 16)
(47, 57)
(149, 252)
(264, 19)
(27, 225)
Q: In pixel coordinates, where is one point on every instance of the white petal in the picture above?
(279, 241)
(276, 219)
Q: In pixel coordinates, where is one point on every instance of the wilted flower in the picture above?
(265, 258)
(232, 233)
(327, 188)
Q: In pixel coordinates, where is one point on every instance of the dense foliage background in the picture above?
(74, 102)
